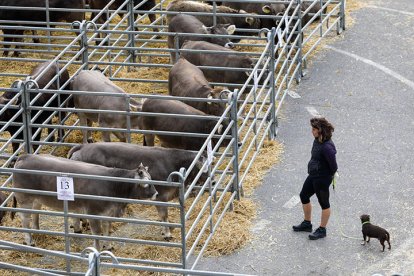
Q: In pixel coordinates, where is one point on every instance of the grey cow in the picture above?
(232, 59)
(184, 23)
(187, 80)
(161, 161)
(95, 81)
(39, 182)
(176, 124)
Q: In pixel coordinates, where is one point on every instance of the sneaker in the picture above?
(318, 234)
(305, 226)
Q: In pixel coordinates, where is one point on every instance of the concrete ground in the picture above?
(363, 84)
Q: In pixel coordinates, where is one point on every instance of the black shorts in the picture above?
(318, 185)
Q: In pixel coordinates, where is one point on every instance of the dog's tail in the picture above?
(388, 239)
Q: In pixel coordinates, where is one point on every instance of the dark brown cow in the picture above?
(49, 74)
(37, 15)
(2, 199)
(100, 4)
(189, 125)
(184, 23)
(218, 60)
(187, 80)
(161, 162)
(39, 182)
(248, 21)
(261, 9)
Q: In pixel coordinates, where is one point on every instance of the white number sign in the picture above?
(65, 189)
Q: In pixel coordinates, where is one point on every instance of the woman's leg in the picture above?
(305, 194)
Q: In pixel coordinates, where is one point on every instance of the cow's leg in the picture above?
(121, 136)
(106, 136)
(106, 229)
(83, 122)
(16, 53)
(96, 230)
(148, 140)
(26, 217)
(35, 217)
(163, 213)
(7, 39)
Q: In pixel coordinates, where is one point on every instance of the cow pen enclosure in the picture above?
(132, 52)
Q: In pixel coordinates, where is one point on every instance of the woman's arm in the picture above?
(329, 152)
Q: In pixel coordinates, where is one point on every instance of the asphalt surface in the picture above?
(363, 84)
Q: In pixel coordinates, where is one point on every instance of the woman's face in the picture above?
(315, 132)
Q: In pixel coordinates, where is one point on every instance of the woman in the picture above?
(321, 169)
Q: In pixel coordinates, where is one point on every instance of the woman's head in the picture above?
(321, 129)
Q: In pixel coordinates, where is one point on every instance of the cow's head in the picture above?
(221, 29)
(145, 190)
(275, 10)
(249, 64)
(217, 108)
(252, 22)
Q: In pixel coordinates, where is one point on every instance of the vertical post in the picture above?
(271, 39)
(59, 98)
(67, 239)
(235, 136)
(27, 130)
(49, 40)
(181, 179)
(321, 19)
(131, 36)
(84, 44)
(176, 46)
(214, 13)
(342, 12)
(299, 73)
(128, 117)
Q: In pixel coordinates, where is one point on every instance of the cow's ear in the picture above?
(231, 29)
(207, 29)
(250, 20)
(267, 9)
(200, 163)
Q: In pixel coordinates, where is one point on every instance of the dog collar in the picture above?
(365, 222)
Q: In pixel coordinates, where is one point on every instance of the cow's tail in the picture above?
(12, 214)
(73, 150)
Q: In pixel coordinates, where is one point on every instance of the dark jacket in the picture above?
(323, 160)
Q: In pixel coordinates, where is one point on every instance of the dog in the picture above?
(372, 231)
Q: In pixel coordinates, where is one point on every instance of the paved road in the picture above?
(364, 84)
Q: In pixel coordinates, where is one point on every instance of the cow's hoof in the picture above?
(108, 247)
(77, 232)
(16, 54)
(90, 140)
(31, 244)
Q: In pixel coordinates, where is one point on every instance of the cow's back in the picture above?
(49, 74)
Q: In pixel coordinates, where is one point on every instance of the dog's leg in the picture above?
(364, 236)
(368, 239)
(382, 241)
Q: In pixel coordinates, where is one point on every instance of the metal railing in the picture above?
(125, 49)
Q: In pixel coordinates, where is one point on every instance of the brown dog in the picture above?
(373, 231)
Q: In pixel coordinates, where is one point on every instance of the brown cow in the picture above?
(95, 81)
(184, 23)
(189, 125)
(187, 80)
(2, 199)
(161, 161)
(247, 21)
(40, 182)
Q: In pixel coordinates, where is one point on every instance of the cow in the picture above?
(184, 23)
(187, 80)
(161, 161)
(261, 9)
(232, 59)
(189, 125)
(100, 4)
(247, 21)
(36, 15)
(306, 17)
(2, 200)
(52, 70)
(95, 81)
(112, 188)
